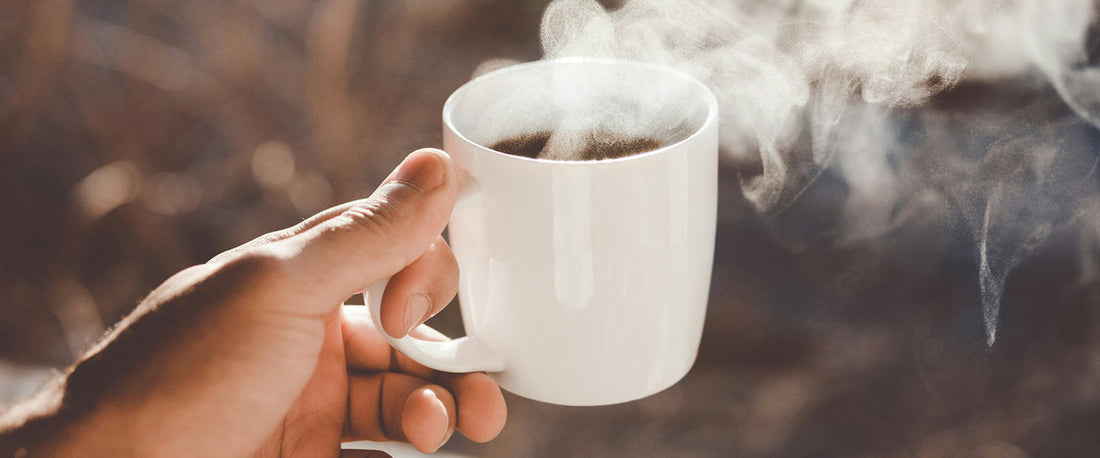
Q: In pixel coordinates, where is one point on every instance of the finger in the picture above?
(379, 237)
(365, 349)
(392, 406)
(420, 290)
(282, 234)
(482, 412)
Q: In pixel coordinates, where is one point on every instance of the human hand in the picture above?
(252, 353)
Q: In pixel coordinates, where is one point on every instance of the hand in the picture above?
(252, 353)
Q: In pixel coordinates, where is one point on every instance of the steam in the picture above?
(786, 69)
(1038, 183)
(810, 85)
(581, 110)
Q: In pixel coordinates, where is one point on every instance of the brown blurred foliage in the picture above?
(140, 137)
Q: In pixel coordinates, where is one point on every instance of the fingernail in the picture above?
(444, 423)
(425, 420)
(417, 308)
(426, 170)
(449, 432)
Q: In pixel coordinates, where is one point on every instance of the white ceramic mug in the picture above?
(582, 282)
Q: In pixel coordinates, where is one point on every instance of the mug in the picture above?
(581, 282)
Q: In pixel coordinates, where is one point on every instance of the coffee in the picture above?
(596, 146)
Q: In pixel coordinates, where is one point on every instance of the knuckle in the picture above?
(379, 219)
(258, 265)
(274, 236)
(242, 279)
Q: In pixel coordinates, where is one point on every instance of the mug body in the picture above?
(588, 278)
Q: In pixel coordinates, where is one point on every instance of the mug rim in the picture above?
(708, 98)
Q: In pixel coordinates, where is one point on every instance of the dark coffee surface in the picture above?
(529, 145)
(597, 146)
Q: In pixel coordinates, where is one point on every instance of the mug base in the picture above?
(605, 397)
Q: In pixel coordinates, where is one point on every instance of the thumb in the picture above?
(380, 236)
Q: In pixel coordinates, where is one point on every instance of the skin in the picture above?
(252, 353)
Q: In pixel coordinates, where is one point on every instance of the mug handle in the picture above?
(464, 354)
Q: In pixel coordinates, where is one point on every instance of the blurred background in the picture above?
(140, 137)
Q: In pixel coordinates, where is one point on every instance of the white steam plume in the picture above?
(805, 85)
